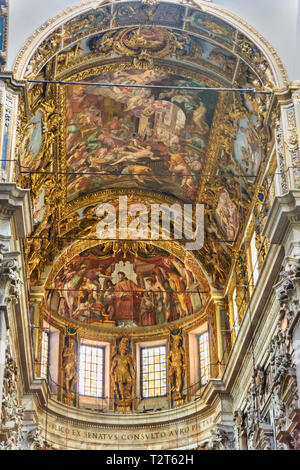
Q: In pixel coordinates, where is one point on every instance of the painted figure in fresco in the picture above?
(147, 309)
(140, 173)
(72, 277)
(179, 282)
(32, 142)
(170, 302)
(126, 294)
(109, 299)
(178, 286)
(125, 135)
(152, 306)
(135, 153)
(227, 216)
(246, 147)
(199, 119)
(87, 291)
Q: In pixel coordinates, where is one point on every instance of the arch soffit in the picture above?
(277, 67)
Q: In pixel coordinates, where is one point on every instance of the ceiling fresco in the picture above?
(137, 137)
(82, 145)
(144, 289)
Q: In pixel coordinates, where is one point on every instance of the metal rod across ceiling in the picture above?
(168, 87)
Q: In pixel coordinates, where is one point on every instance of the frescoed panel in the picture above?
(212, 26)
(137, 12)
(149, 138)
(39, 205)
(227, 216)
(84, 24)
(247, 151)
(141, 291)
(32, 140)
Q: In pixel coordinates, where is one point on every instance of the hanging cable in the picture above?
(127, 85)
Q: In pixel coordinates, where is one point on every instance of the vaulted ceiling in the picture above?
(87, 138)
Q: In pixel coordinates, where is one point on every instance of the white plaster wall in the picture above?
(277, 20)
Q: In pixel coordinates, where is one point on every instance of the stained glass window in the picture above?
(204, 358)
(91, 371)
(154, 371)
(44, 354)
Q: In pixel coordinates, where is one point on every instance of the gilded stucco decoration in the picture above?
(83, 144)
(94, 155)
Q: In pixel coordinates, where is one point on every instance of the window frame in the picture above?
(44, 363)
(93, 346)
(206, 366)
(194, 382)
(153, 346)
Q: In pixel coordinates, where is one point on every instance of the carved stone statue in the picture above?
(37, 441)
(11, 443)
(12, 412)
(10, 283)
(176, 369)
(123, 375)
(220, 439)
(69, 371)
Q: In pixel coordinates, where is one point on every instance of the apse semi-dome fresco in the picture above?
(132, 290)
